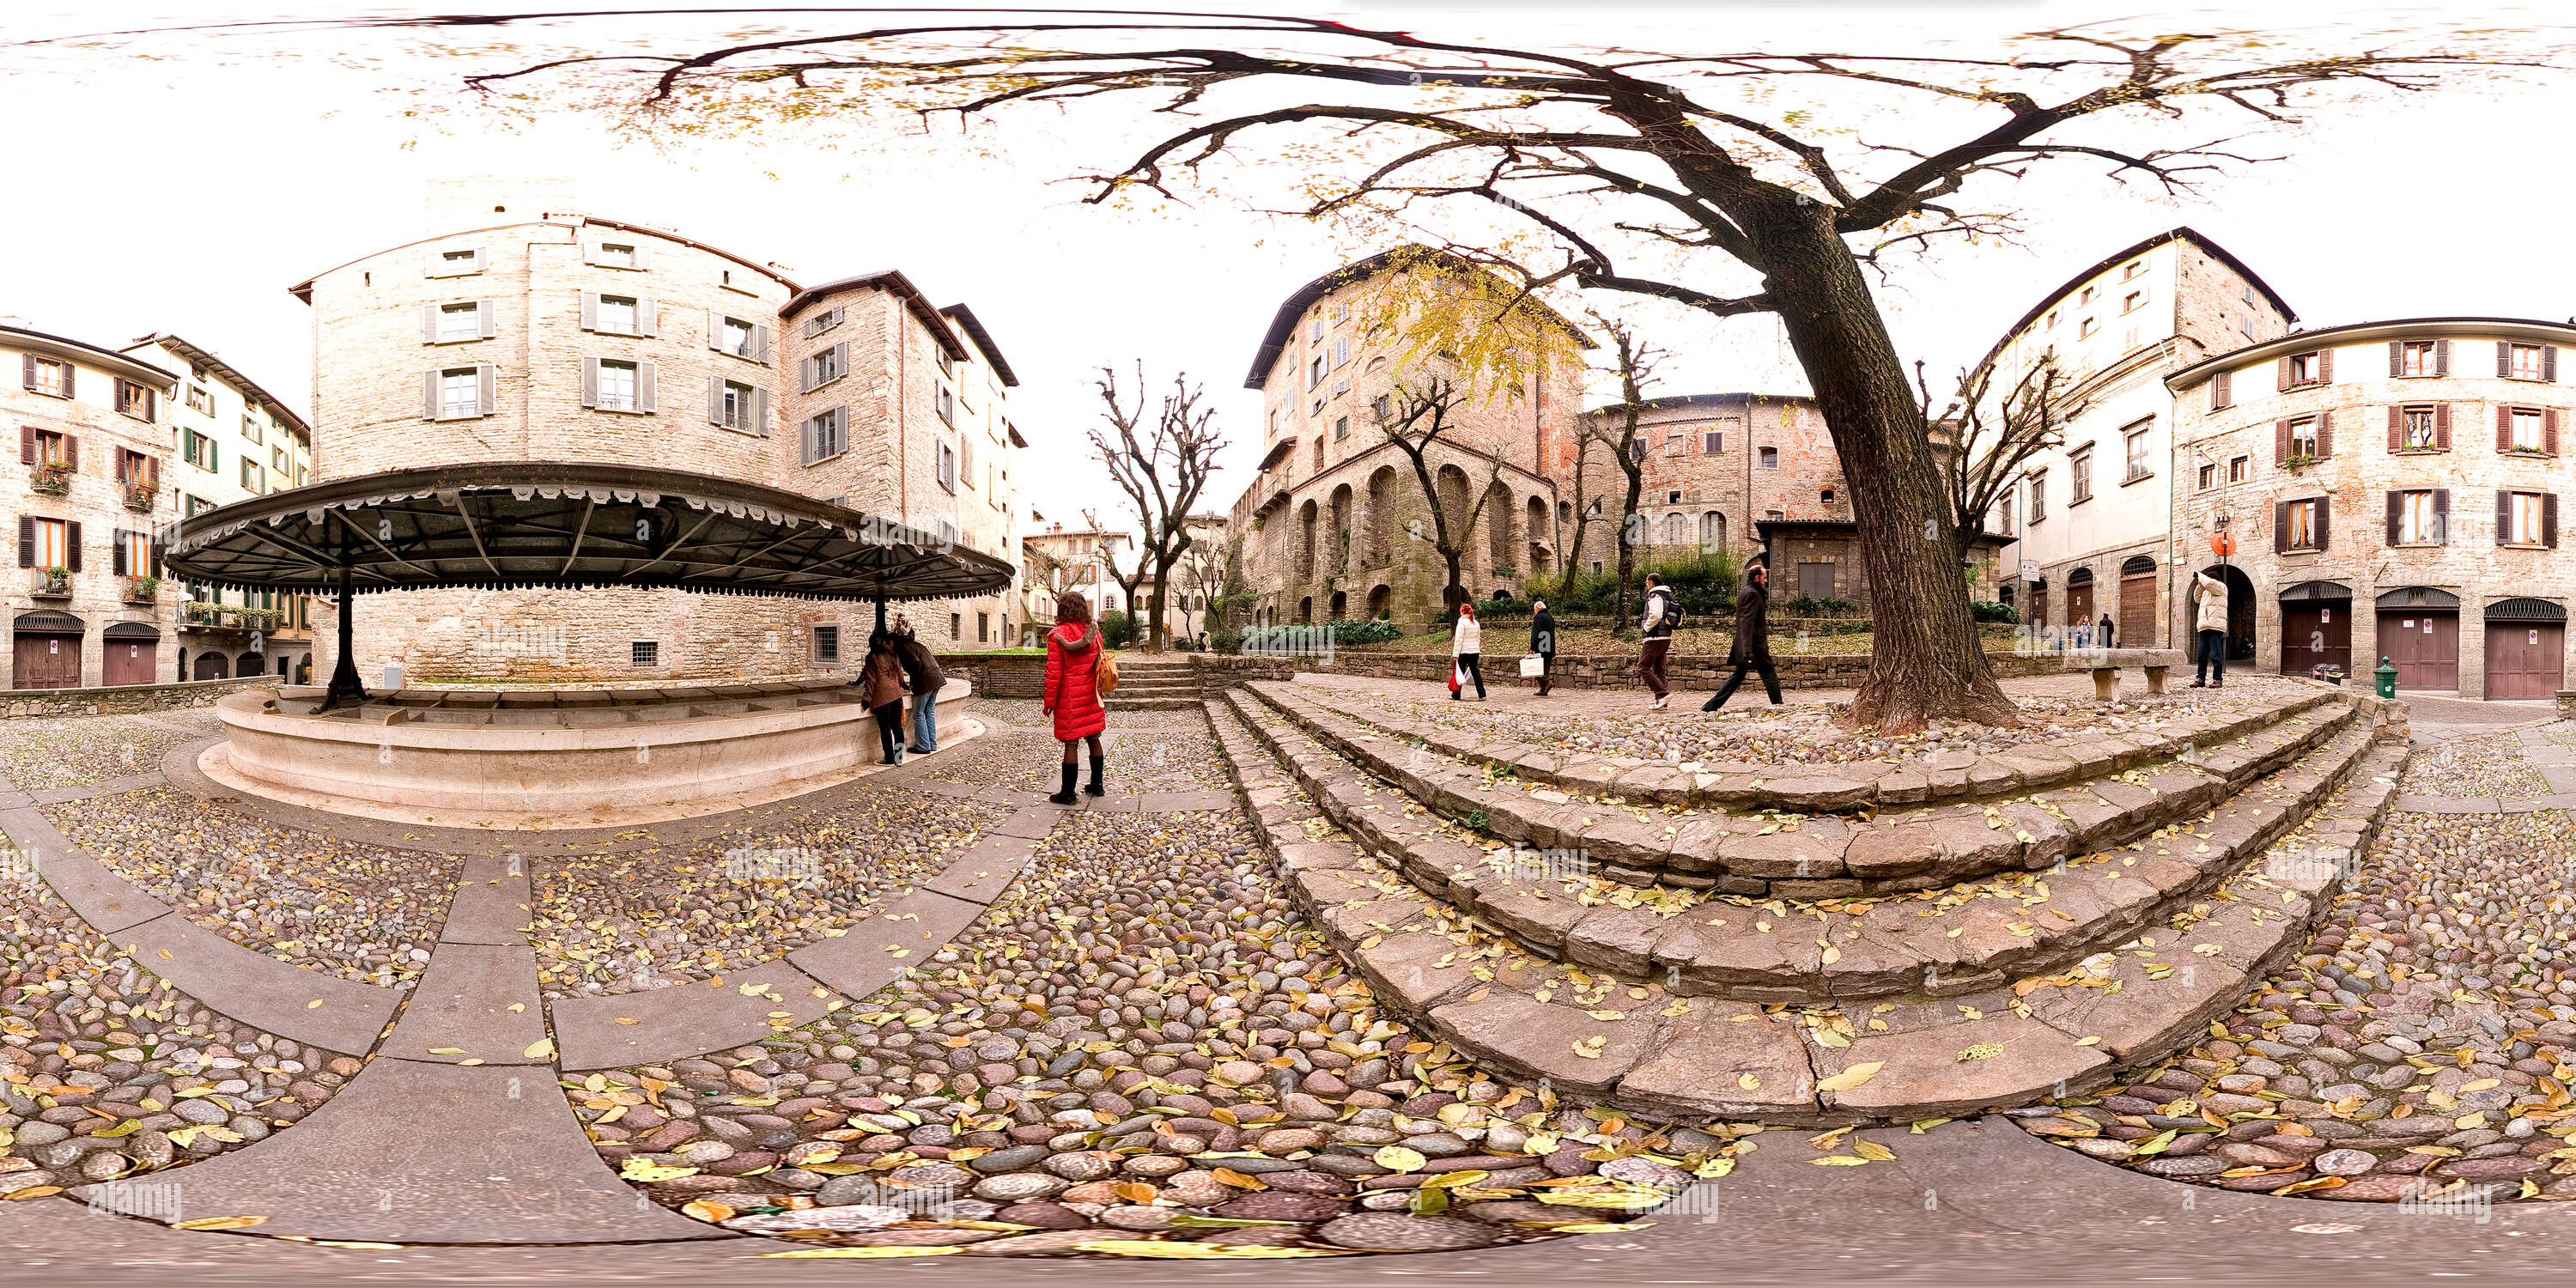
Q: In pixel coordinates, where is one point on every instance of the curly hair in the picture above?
(1072, 609)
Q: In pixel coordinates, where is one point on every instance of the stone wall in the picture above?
(127, 699)
(999, 675)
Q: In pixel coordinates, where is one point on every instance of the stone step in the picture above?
(1825, 856)
(1121, 702)
(1670, 1054)
(1969, 937)
(1813, 788)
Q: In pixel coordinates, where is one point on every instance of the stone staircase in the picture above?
(1149, 683)
(1640, 935)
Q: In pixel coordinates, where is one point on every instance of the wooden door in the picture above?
(2137, 611)
(127, 661)
(2079, 604)
(2423, 646)
(211, 666)
(46, 662)
(2524, 659)
(2314, 635)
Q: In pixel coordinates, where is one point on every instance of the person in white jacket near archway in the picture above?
(2209, 600)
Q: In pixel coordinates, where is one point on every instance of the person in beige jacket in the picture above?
(2209, 600)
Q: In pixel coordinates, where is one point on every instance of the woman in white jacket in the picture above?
(1466, 644)
(2209, 596)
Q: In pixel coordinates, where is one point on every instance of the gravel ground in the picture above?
(2423, 1041)
(360, 912)
(1140, 1042)
(1808, 734)
(40, 754)
(2483, 765)
(621, 923)
(91, 1045)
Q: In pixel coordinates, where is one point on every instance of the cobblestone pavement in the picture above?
(2422, 1042)
(638, 920)
(109, 1074)
(361, 912)
(81, 751)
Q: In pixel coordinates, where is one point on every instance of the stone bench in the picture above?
(2107, 663)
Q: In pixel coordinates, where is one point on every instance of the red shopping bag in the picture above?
(1457, 674)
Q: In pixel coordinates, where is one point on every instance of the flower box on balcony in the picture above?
(50, 583)
(142, 590)
(141, 497)
(54, 478)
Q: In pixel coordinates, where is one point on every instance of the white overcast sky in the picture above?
(187, 191)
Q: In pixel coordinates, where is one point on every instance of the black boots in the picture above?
(1094, 787)
(1065, 795)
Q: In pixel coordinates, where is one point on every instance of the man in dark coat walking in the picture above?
(1752, 651)
(1543, 643)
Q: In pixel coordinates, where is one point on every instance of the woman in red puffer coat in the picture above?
(1073, 689)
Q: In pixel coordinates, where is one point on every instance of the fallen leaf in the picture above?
(219, 1223)
(1852, 1076)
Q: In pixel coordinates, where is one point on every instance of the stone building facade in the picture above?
(2092, 516)
(554, 336)
(2392, 490)
(1337, 524)
(89, 494)
(231, 440)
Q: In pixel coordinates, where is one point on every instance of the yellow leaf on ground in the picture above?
(541, 1049)
(1873, 1151)
(1852, 1076)
(866, 1252)
(1396, 1158)
(219, 1223)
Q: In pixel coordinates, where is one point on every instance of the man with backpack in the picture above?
(1752, 651)
(1657, 622)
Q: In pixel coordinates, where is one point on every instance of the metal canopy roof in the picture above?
(509, 525)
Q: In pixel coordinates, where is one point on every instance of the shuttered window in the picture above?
(456, 393)
(2299, 525)
(47, 376)
(48, 543)
(617, 384)
(2221, 391)
(136, 400)
(453, 323)
(735, 405)
(456, 262)
(2414, 359)
(825, 435)
(825, 366)
(2526, 361)
(2419, 517)
(2419, 428)
(2527, 519)
(740, 338)
(823, 321)
(620, 314)
(617, 254)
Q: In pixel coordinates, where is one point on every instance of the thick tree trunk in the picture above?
(1925, 658)
(1627, 539)
(1455, 593)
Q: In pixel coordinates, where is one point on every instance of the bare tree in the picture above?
(1573, 559)
(1163, 470)
(1417, 418)
(1633, 361)
(1768, 181)
(1984, 436)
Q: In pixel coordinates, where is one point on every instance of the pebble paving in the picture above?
(364, 913)
(82, 751)
(1141, 1041)
(611, 924)
(107, 1073)
(2421, 1044)
(1807, 733)
(2483, 765)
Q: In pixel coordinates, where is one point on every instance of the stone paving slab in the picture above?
(1036, 823)
(985, 870)
(461, 1009)
(108, 902)
(424, 1153)
(261, 991)
(865, 960)
(686, 1019)
(111, 787)
(492, 903)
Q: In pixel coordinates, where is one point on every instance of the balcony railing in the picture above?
(51, 479)
(46, 583)
(142, 590)
(141, 497)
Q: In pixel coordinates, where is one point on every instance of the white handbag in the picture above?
(1533, 667)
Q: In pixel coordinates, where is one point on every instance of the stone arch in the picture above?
(1341, 604)
(1498, 524)
(1306, 611)
(1306, 540)
(1535, 531)
(1337, 545)
(1450, 483)
(1379, 523)
(1380, 597)
(1712, 532)
(1673, 529)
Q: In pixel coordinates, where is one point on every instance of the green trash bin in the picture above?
(2387, 677)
